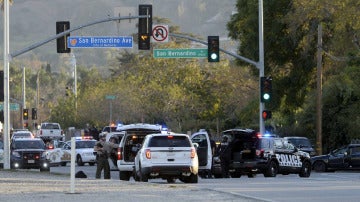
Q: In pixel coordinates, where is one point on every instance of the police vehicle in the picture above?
(84, 149)
(252, 153)
(203, 149)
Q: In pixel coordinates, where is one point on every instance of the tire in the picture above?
(217, 175)
(192, 179)
(170, 180)
(124, 175)
(235, 175)
(251, 175)
(271, 170)
(320, 166)
(305, 169)
(63, 164)
(45, 169)
(143, 176)
(92, 164)
(79, 161)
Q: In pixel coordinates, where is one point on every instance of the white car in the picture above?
(134, 135)
(56, 153)
(84, 147)
(168, 156)
(22, 134)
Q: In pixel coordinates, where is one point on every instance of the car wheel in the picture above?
(251, 175)
(45, 169)
(235, 175)
(271, 170)
(217, 175)
(171, 180)
(79, 161)
(320, 166)
(191, 179)
(143, 176)
(124, 175)
(305, 169)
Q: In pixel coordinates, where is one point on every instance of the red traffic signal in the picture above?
(266, 114)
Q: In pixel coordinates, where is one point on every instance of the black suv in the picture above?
(29, 153)
(252, 153)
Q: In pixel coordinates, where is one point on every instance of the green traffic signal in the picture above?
(265, 89)
(213, 49)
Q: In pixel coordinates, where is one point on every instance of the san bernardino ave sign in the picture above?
(100, 42)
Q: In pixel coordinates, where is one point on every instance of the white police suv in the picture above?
(167, 156)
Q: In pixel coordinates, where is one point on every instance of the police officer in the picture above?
(225, 155)
(103, 150)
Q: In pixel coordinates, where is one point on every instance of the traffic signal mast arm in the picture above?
(29, 48)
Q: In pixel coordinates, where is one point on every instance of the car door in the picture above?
(337, 158)
(203, 150)
(354, 156)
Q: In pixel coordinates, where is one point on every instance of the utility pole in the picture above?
(261, 64)
(319, 93)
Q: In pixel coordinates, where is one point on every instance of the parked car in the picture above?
(134, 134)
(252, 153)
(170, 157)
(84, 150)
(22, 134)
(344, 158)
(28, 153)
(302, 143)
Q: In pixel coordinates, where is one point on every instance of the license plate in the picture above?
(31, 161)
(246, 151)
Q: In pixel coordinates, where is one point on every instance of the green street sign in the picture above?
(13, 107)
(180, 53)
(110, 97)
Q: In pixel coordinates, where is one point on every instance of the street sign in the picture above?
(110, 97)
(100, 42)
(160, 33)
(13, 106)
(180, 53)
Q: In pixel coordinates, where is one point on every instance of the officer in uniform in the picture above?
(103, 150)
(225, 155)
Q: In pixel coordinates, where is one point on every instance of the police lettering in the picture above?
(289, 160)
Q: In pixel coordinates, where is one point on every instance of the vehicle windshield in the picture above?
(300, 142)
(169, 141)
(50, 126)
(29, 144)
(85, 144)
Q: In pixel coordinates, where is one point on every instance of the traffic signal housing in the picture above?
(61, 42)
(265, 89)
(25, 114)
(33, 113)
(266, 114)
(145, 27)
(213, 49)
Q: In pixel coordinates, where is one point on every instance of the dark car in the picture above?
(302, 143)
(346, 157)
(29, 153)
(252, 153)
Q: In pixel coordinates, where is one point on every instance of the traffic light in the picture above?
(61, 42)
(266, 114)
(145, 27)
(34, 113)
(25, 114)
(265, 89)
(213, 49)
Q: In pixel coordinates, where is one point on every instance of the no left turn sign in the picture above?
(160, 33)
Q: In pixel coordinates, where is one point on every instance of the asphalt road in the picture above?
(55, 186)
